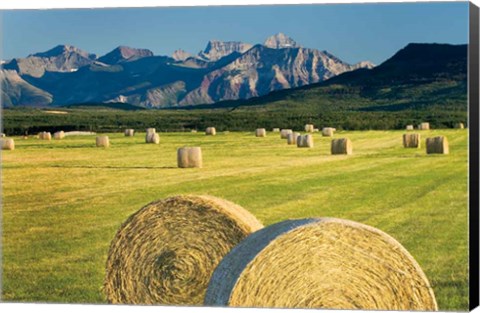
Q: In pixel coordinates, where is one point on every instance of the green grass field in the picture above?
(64, 200)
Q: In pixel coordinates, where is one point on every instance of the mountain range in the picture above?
(222, 71)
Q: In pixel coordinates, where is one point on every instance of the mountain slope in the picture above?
(15, 90)
(123, 53)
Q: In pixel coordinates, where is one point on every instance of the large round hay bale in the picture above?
(276, 130)
(167, 251)
(309, 128)
(328, 131)
(341, 146)
(411, 140)
(8, 144)
(103, 141)
(210, 131)
(323, 263)
(151, 130)
(292, 138)
(261, 132)
(438, 145)
(409, 127)
(459, 126)
(424, 126)
(129, 132)
(305, 141)
(284, 133)
(189, 157)
(59, 135)
(45, 136)
(152, 138)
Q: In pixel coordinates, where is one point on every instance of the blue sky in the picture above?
(352, 32)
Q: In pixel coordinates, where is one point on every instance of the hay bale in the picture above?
(3, 135)
(151, 131)
(276, 130)
(316, 130)
(79, 133)
(424, 126)
(8, 144)
(210, 131)
(284, 133)
(59, 135)
(341, 146)
(167, 251)
(409, 127)
(325, 263)
(309, 128)
(328, 131)
(292, 138)
(411, 140)
(437, 145)
(152, 138)
(193, 131)
(129, 132)
(189, 157)
(45, 136)
(459, 126)
(103, 141)
(305, 141)
(260, 132)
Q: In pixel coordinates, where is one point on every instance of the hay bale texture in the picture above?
(459, 126)
(276, 130)
(103, 141)
(167, 251)
(409, 127)
(189, 157)
(8, 144)
(284, 133)
(129, 132)
(59, 135)
(261, 132)
(328, 131)
(152, 138)
(341, 146)
(424, 126)
(45, 136)
(411, 140)
(210, 131)
(321, 263)
(437, 145)
(292, 138)
(309, 128)
(305, 141)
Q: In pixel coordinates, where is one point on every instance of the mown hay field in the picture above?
(63, 200)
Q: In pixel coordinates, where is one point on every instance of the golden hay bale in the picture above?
(151, 130)
(260, 132)
(328, 131)
(459, 125)
(2, 135)
(411, 140)
(341, 146)
(305, 141)
(316, 130)
(129, 132)
(284, 133)
(189, 157)
(193, 131)
(424, 126)
(103, 141)
(45, 136)
(210, 131)
(152, 138)
(437, 144)
(167, 251)
(309, 128)
(276, 130)
(323, 263)
(8, 144)
(59, 135)
(292, 138)
(409, 127)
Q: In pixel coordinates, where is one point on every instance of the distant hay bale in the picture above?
(189, 157)
(276, 130)
(341, 146)
(152, 138)
(309, 128)
(438, 145)
(316, 130)
(305, 141)
(459, 126)
(322, 263)
(292, 138)
(284, 133)
(59, 135)
(8, 144)
(129, 132)
(79, 133)
(328, 131)
(424, 126)
(260, 132)
(151, 131)
(24, 137)
(193, 131)
(411, 140)
(167, 251)
(45, 136)
(2, 135)
(210, 131)
(103, 141)
(409, 127)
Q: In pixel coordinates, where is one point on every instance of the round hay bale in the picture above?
(189, 157)
(8, 144)
(152, 138)
(284, 133)
(59, 135)
(341, 146)
(459, 126)
(129, 132)
(292, 138)
(316, 130)
(328, 131)
(309, 128)
(193, 131)
(45, 136)
(323, 263)
(3, 135)
(411, 140)
(167, 251)
(276, 130)
(424, 126)
(409, 127)
(210, 131)
(305, 141)
(260, 132)
(103, 141)
(437, 145)
(151, 130)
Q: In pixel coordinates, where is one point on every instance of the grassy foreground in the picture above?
(64, 200)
